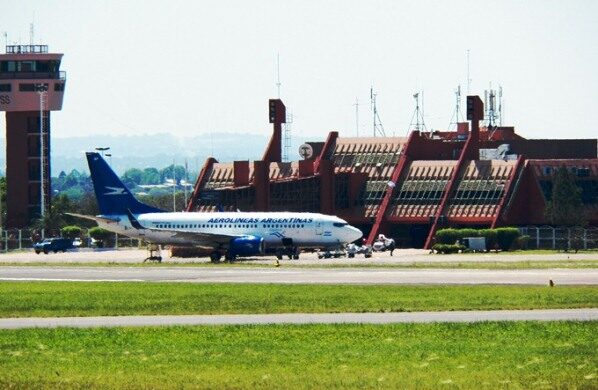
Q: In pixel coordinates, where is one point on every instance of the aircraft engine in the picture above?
(247, 246)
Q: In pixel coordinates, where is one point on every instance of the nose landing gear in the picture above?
(154, 253)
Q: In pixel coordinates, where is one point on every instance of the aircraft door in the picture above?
(319, 228)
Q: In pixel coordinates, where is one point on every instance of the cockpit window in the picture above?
(339, 224)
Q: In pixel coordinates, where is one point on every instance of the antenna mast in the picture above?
(356, 117)
(500, 117)
(378, 128)
(278, 73)
(492, 112)
(418, 115)
(457, 116)
(287, 137)
(286, 142)
(468, 78)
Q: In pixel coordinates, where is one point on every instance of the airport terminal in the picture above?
(480, 175)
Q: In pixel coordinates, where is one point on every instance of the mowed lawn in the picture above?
(43, 299)
(520, 355)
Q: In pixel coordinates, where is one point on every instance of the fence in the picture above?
(21, 239)
(548, 237)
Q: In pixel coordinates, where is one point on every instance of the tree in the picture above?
(166, 173)
(150, 176)
(100, 235)
(71, 231)
(565, 208)
(132, 177)
(54, 218)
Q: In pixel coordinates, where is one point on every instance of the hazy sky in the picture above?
(196, 67)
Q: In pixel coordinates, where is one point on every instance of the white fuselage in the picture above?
(306, 230)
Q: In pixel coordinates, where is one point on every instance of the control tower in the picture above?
(31, 85)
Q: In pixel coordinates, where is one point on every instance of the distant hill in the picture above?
(156, 150)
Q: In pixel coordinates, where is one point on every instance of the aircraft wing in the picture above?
(200, 238)
(93, 218)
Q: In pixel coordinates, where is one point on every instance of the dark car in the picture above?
(53, 245)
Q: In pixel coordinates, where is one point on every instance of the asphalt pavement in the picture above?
(299, 275)
(400, 256)
(304, 318)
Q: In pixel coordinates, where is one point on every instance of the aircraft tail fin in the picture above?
(112, 195)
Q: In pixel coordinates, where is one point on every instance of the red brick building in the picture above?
(407, 187)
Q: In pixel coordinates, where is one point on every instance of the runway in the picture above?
(299, 275)
(304, 318)
(400, 256)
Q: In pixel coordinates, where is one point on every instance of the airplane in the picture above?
(234, 234)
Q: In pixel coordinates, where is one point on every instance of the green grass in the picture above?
(47, 299)
(471, 264)
(482, 355)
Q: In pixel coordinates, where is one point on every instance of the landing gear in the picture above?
(215, 257)
(294, 253)
(230, 257)
(291, 252)
(154, 253)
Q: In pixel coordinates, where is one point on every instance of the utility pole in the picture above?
(356, 117)
(173, 188)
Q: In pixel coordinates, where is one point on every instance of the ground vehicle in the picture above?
(384, 243)
(353, 249)
(53, 245)
(330, 254)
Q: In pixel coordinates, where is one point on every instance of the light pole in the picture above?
(103, 149)
(109, 155)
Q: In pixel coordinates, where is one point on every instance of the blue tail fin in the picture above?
(112, 195)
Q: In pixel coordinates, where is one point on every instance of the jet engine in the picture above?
(246, 246)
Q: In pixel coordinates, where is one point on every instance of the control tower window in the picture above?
(48, 66)
(8, 66)
(27, 87)
(27, 66)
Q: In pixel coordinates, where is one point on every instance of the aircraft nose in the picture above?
(353, 233)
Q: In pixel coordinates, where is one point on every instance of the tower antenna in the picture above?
(287, 125)
(278, 73)
(468, 78)
(378, 128)
(417, 119)
(457, 116)
(356, 117)
(287, 136)
(500, 116)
